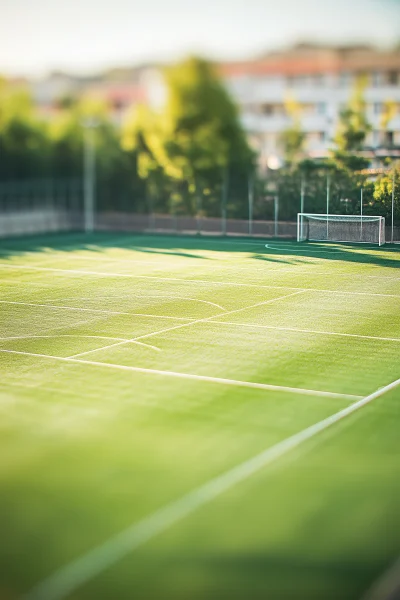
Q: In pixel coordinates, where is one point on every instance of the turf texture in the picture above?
(137, 369)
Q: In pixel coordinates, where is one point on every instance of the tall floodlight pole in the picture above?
(251, 203)
(328, 187)
(89, 167)
(393, 184)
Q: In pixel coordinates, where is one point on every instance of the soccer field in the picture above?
(197, 418)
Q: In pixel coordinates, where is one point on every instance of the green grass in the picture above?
(88, 450)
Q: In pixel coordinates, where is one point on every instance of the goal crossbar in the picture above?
(368, 229)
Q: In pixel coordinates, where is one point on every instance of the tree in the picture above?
(194, 139)
(382, 196)
(24, 146)
(142, 139)
(292, 138)
(352, 131)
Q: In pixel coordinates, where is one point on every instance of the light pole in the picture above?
(328, 190)
(272, 189)
(274, 163)
(89, 170)
(302, 190)
(361, 213)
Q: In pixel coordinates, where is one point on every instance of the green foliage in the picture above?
(187, 146)
(382, 195)
(292, 138)
(353, 123)
(31, 147)
(24, 146)
(352, 131)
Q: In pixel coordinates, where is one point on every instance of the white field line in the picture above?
(387, 587)
(312, 331)
(296, 250)
(330, 245)
(190, 376)
(198, 281)
(86, 567)
(95, 310)
(221, 267)
(24, 337)
(100, 337)
(134, 296)
(203, 320)
(294, 269)
(355, 249)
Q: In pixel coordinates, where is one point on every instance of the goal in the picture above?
(340, 228)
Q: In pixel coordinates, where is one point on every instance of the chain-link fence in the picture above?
(44, 206)
(40, 206)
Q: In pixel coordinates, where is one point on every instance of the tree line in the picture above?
(192, 156)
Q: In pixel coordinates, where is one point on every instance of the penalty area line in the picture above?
(177, 374)
(86, 567)
(183, 281)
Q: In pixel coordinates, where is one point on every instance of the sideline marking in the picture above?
(134, 296)
(387, 586)
(74, 574)
(96, 310)
(101, 337)
(294, 250)
(203, 281)
(203, 320)
(296, 330)
(221, 380)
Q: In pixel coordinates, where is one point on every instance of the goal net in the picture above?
(340, 228)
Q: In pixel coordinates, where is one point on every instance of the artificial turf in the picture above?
(88, 450)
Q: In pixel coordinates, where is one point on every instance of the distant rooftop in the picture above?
(312, 58)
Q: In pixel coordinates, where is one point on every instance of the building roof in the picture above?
(309, 59)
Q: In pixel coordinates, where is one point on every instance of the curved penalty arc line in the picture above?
(144, 296)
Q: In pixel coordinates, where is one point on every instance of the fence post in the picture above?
(224, 199)
(251, 203)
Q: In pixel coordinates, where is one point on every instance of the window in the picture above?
(375, 138)
(318, 80)
(321, 108)
(376, 79)
(344, 79)
(393, 78)
(322, 137)
(297, 80)
(267, 109)
(377, 108)
(389, 138)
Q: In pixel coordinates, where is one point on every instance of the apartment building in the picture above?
(320, 80)
(120, 88)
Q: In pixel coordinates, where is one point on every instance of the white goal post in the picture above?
(341, 228)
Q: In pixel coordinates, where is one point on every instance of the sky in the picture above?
(82, 36)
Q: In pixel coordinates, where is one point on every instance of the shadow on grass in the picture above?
(277, 251)
(292, 576)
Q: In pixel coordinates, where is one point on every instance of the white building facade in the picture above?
(320, 81)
